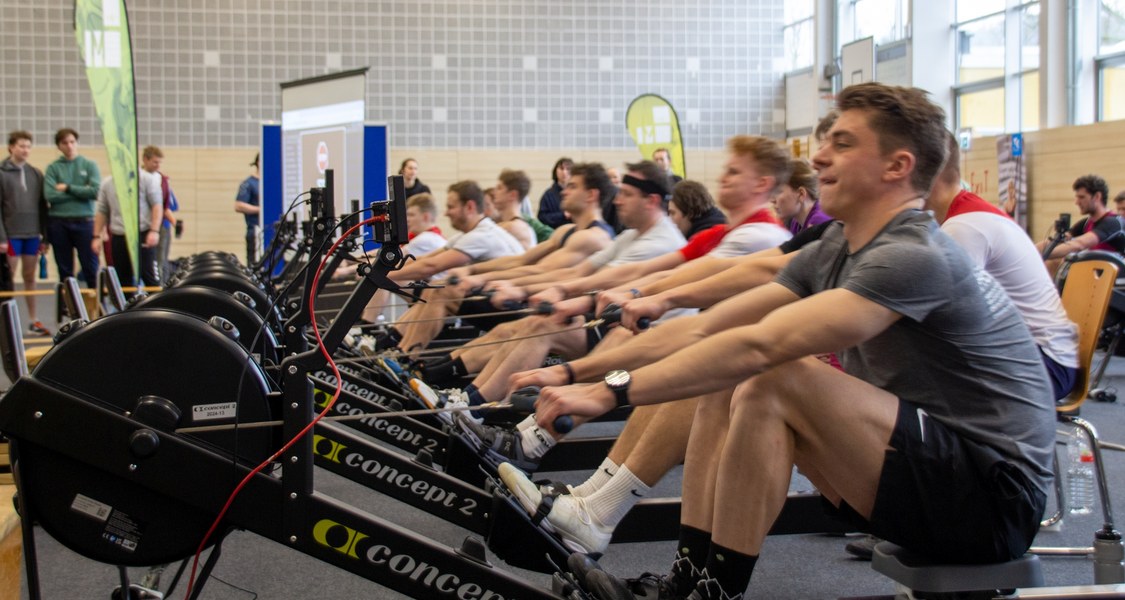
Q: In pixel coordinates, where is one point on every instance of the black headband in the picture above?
(646, 186)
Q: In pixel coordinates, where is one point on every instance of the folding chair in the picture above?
(1086, 297)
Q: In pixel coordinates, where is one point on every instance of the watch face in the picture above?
(617, 379)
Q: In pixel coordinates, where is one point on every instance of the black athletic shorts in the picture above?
(949, 498)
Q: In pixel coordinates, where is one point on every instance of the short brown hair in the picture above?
(18, 135)
(469, 191)
(804, 177)
(152, 151)
(902, 118)
(515, 180)
(769, 156)
(423, 202)
(61, 134)
(951, 172)
(650, 172)
(692, 199)
(1120, 197)
(594, 177)
(825, 124)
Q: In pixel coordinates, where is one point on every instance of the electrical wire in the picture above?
(339, 387)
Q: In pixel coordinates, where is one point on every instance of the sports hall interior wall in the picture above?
(206, 179)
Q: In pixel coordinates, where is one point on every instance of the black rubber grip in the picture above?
(611, 314)
(523, 401)
(545, 308)
(564, 424)
(643, 323)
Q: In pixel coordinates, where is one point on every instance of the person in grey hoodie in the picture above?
(23, 217)
(71, 186)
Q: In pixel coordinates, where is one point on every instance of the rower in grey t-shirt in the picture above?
(961, 351)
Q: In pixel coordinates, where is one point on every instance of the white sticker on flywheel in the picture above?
(91, 507)
(211, 412)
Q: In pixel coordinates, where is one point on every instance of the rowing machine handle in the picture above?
(612, 314)
(523, 401)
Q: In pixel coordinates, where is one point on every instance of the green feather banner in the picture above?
(101, 28)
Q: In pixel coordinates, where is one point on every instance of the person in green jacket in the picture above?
(71, 186)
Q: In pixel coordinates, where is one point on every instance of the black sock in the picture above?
(726, 575)
(691, 556)
(475, 399)
(388, 341)
(438, 372)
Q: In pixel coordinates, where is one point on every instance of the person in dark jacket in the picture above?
(409, 171)
(550, 205)
(23, 228)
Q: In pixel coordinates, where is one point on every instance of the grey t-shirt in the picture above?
(628, 247)
(961, 352)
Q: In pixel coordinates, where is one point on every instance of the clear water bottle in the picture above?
(1080, 474)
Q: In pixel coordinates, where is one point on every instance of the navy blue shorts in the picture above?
(1062, 378)
(949, 498)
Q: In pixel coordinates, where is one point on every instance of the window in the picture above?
(997, 79)
(1110, 60)
(799, 32)
(1111, 85)
(881, 19)
(885, 20)
(980, 49)
(982, 112)
(1111, 27)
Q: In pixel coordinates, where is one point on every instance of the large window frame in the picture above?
(1020, 106)
(1107, 62)
(799, 33)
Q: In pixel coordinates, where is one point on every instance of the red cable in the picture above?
(303, 432)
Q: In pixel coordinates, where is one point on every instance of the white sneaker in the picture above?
(366, 345)
(455, 397)
(569, 519)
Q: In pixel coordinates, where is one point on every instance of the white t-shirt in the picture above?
(999, 246)
(486, 241)
(425, 243)
(628, 247)
(749, 238)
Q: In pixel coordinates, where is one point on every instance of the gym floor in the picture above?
(799, 566)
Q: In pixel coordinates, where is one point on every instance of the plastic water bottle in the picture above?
(1080, 474)
(42, 266)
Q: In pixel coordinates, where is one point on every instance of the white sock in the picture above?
(612, 502)
(536, 442)
(524, 424)
(602, 475)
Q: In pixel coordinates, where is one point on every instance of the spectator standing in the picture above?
(149, 215)
(151, 160)
(248, 203)
(23, 228)
(71, 187)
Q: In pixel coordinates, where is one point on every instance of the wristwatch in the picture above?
(618, 382)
